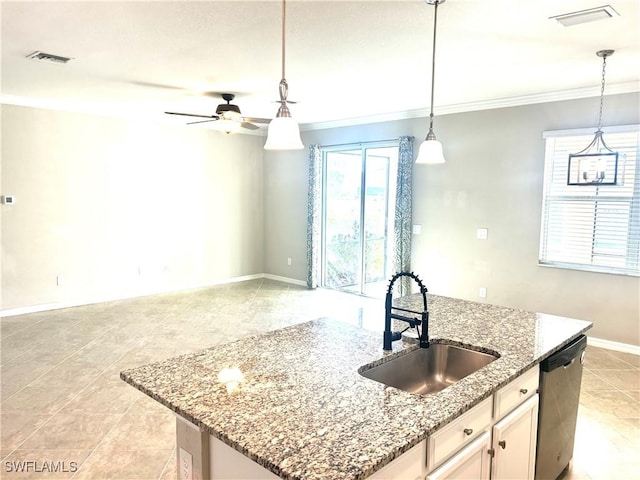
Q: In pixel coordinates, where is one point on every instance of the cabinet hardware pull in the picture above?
(523, 391)
(503, 444)
(491, 452)
(468, 431)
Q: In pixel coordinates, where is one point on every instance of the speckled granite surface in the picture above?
(303, 411)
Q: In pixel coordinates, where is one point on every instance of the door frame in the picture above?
(389, 225)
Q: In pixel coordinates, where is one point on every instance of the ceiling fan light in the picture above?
(227, 125)
(231, 116)
(283, 134)
(430, 152)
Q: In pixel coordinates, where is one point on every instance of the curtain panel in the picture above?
(314, 207)
(403, 223)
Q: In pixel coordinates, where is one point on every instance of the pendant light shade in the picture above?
(283, 132)
(430, 151)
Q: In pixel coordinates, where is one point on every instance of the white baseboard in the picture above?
(617, 346)
(285, 279)
(123, 296)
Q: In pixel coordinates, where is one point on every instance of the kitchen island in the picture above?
(293, 402)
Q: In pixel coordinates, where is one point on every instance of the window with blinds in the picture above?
(590, 227)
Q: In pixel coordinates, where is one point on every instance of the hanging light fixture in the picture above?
(431, 149)
(596, 164)
(283, 132)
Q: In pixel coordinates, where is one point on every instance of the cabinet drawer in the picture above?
(516, 392)
(458, 433)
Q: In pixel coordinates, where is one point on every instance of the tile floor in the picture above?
(62, 401)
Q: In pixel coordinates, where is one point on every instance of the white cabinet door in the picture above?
(472, 462)
(514, 443)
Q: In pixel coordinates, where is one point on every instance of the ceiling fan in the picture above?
(228, 114)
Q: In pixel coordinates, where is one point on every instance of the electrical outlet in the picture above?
(59, 280)
(482, 292)
(417, 229)
(482, 233)
(185, 465)
(289, 261)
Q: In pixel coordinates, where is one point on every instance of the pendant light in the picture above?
(431, 149)
(283, 132)
(596, 164)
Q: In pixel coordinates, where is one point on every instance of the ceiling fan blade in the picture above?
(215, 117)
(249, 126)
(256, 120)
(203, 121)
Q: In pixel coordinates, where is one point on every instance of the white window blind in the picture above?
(589, 227)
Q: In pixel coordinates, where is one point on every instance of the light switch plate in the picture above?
(482, 233)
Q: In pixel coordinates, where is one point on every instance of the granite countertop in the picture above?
(302, 409)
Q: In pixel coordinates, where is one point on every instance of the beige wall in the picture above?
(285, 198)
(492, 179)
(119, 208)
(99, 198)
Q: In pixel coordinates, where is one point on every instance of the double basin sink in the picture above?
(428, 370)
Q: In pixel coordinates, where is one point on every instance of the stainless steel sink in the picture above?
(428, 370)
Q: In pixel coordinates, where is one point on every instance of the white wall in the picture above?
(492, 179)
(123, 207)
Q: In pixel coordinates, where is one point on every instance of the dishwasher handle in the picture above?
(565, 356)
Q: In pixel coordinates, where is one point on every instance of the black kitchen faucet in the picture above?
(423, 333)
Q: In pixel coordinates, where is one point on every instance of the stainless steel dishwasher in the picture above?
(560, 380)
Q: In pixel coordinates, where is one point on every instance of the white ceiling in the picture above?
(345, 59)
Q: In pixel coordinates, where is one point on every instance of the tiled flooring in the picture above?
(62, 401)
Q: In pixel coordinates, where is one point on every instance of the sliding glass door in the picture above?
(357, 222)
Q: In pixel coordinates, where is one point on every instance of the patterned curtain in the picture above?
(314, 204)
(402, 224)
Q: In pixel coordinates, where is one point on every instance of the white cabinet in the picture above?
(409, 466)
(226, 463)
(498, 444)
(472, 462)
(460, 432)
(516, 392)
(514, 443)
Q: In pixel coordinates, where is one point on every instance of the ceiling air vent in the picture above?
(585, 16)
(48, 57)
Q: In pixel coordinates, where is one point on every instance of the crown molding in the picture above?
(571, 94)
